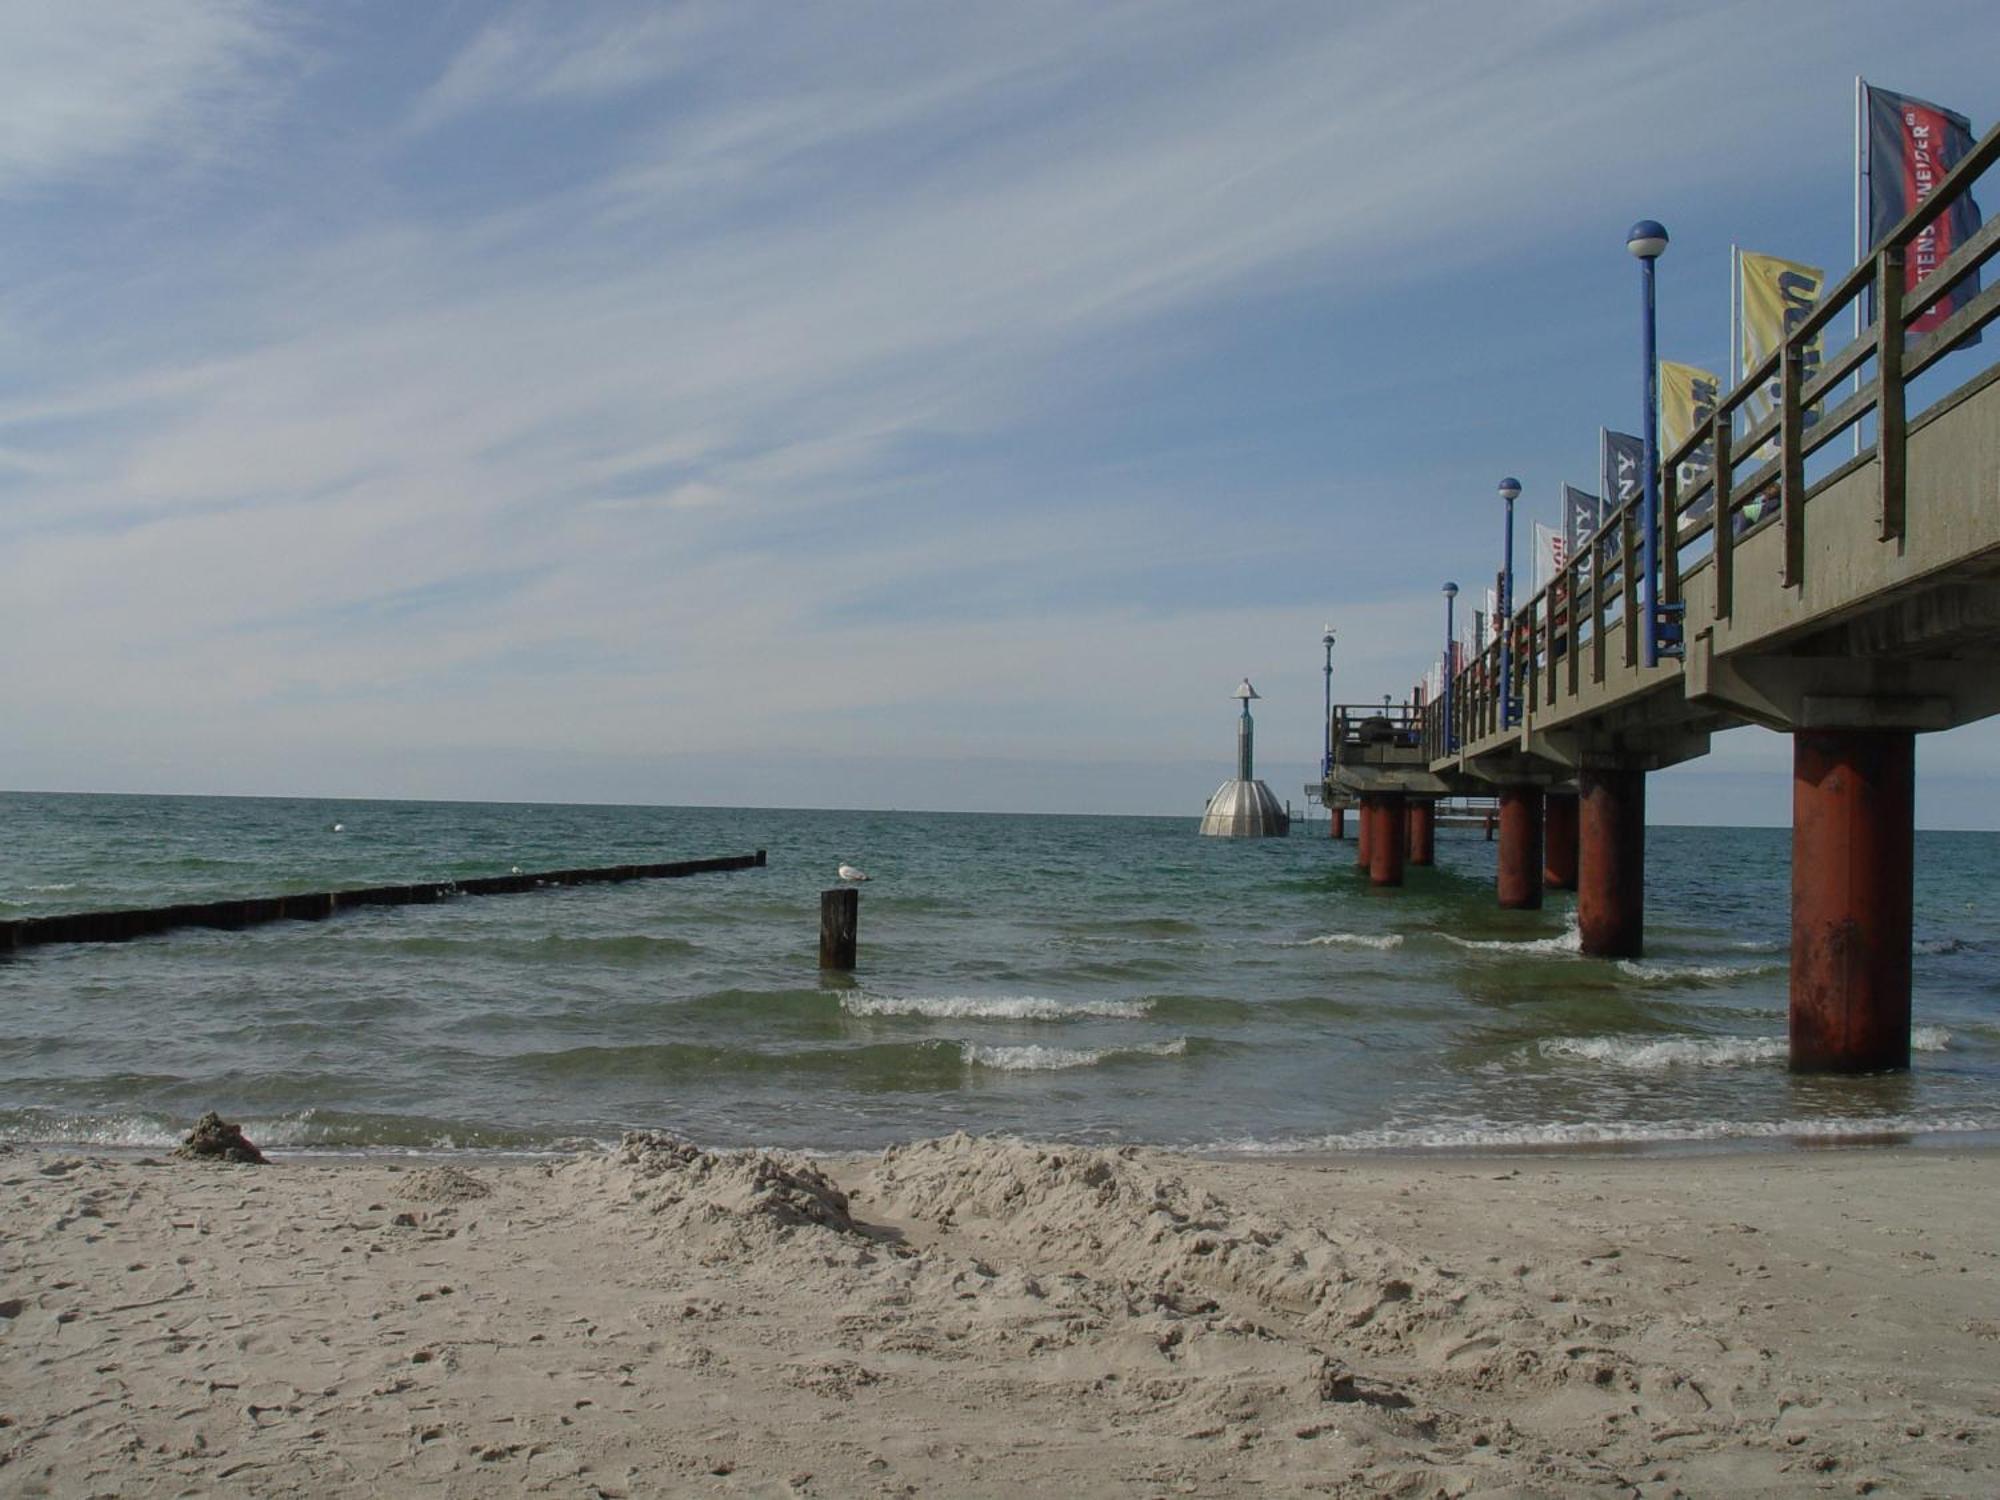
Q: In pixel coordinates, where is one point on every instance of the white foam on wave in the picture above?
(1569, 940)
(1652, 1055)
(1381, 941)
(1657, 971)
(59, 885)
(115, 1130)
(1035, 1058)
(1483, 1135)
(994, 1007)
(1657, 1053)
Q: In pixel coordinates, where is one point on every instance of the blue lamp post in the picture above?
(1326, 755)
(1510, 491)
(1450, 607)
(1647, 240)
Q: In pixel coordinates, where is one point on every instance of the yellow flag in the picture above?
(1778, 295)
(1687, 405)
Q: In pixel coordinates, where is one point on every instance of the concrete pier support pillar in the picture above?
(1423, 831)
(1611, 862)
(1853, 805)
(1364, 833)
(1337, 823)
(1386, 839)
(1521, 848)
(1559, 841)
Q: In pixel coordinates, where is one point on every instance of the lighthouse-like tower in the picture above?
(1243, 808)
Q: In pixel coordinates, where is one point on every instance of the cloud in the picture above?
(681, 381)
(90, 83)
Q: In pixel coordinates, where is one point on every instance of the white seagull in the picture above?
(848, 872)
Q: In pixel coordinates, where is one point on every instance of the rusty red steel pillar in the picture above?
(1364, 833)
(1559, 841)
(1611, 862)
(1386, 840)
(1853, 809)
(1520, 848)
(1337, 823)
(1423, 831)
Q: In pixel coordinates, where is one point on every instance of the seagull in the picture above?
(848, 872)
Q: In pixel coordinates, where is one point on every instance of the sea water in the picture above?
(1074, 978)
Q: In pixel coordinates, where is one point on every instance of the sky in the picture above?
(860, 405)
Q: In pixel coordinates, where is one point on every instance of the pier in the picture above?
(1849, 597)
(316, 906)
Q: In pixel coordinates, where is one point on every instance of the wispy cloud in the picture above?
(599, 380)
(92, 85)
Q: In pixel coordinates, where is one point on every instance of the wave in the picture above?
(1034, 1058)
(1667, 1052)
(305, 1130)
(935, 1062)
(1656, 1054)
(993, 1007)
(1656, 971)
(1485, 1135)
(1381, 941)
(1568, 941)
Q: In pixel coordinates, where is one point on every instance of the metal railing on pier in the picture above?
(1572, 631)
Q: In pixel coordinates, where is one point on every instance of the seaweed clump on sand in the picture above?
(214, 1136)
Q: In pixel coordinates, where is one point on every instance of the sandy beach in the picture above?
(963, 1317)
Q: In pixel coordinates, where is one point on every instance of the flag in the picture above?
(1583, 513)
(1778, 295)
(1687, 406)
(1624, 466)
(1622, 460)
(1549, 554)
(1909, 145)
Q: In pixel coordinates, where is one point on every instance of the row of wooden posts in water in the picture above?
(314, 906)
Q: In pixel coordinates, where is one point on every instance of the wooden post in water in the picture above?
(839, 924)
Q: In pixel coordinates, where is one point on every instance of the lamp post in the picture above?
(1647, 240)
(1450, 606)
(1326, 757)
(1510, 491)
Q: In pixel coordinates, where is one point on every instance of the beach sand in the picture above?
(964, 1317)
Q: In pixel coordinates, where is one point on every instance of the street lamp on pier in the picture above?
(1648, 240)
(1450, 605)
(1510, 491)
(1326, 756)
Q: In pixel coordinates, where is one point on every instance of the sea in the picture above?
(1086, 979)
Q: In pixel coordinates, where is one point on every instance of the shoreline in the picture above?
(966, 1316)
(1753, 1143)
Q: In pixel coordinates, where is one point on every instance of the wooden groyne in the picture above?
(316, 906)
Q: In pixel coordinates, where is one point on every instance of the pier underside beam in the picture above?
(1423, 831)
(1559, 841)
(1520, 879)
(1853, 805)
(1611, 862)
